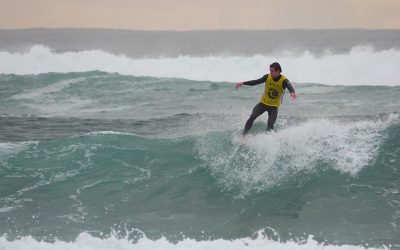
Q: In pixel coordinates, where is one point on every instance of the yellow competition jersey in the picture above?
(273, 91)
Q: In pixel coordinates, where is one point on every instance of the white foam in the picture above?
(267, 160)
(110, 133)
(358, 67)
(349, 146)
(87, 242)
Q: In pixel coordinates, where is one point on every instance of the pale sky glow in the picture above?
(200, 14)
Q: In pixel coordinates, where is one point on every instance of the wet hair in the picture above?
(276, 67)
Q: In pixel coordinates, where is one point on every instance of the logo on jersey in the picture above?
(272, 93)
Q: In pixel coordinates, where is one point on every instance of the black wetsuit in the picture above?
(260, 108)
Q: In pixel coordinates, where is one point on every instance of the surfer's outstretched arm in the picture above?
(252, 82)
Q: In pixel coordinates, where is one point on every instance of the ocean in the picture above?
(118, 139)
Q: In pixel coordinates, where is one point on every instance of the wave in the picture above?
(203, 173)
(266, 161)
(86, 241)
(361, 66)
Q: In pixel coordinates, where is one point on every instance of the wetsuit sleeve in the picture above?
(286, 84)
(258, 81)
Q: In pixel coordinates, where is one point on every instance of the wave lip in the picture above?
(357, 67)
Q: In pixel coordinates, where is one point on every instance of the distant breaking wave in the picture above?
(86, 241)
(361, 66)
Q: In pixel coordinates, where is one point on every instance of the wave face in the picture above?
(97, 158)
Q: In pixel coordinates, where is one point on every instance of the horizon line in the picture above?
(198, 30)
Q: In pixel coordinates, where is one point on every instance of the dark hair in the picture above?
(276, 67)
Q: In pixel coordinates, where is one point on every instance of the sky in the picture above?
(200, 14)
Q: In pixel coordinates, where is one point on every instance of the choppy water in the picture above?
(100, 150)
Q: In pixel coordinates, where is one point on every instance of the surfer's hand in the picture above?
(293, 95)
(239, 84)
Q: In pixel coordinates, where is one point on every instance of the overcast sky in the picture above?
(200, 14)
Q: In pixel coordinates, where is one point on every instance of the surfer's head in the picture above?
(275, 69)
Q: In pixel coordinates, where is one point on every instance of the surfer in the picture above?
(275, 85)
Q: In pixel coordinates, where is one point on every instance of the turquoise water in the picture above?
(113, 139)
(103, 156)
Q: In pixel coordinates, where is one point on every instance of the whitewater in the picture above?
(361, 66)
(113, 139)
